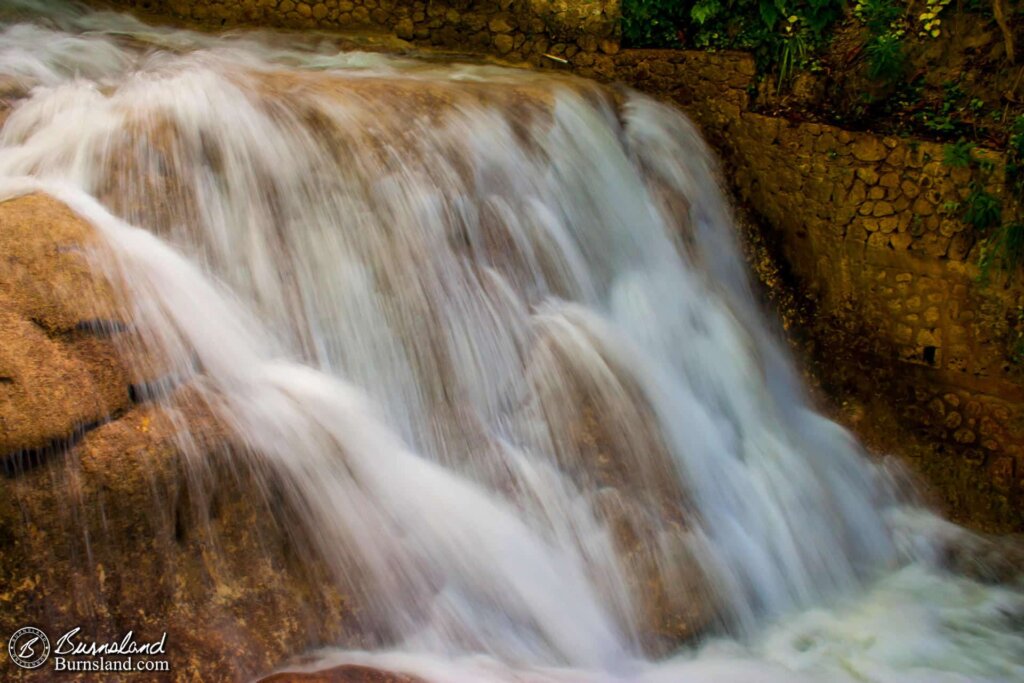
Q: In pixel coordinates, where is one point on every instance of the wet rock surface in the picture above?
(113, 517)
(341, 674)
(103, 524)
(59, 376)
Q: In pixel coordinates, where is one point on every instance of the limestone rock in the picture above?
(56, 373)
(109, 525)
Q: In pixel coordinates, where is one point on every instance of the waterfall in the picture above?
(473, 321)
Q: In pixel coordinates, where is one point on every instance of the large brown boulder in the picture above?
(110, 518)
(56, 372)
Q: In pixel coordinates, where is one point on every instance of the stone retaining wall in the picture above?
(868, 228)
(581, 31)
(865, 224)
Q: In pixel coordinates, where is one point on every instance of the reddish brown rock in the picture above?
(109, 520)
(341, 674)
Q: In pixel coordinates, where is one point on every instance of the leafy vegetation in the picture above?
(780, 33)
(884, 48)
(1015, 157)
(982, 210)
(958, 155)
(652, 23)
(998, 226)
(1001, 243)
(945, 119)
(886, 59)
(878, 15)
(1005, 246)
(930, 20)
(792, 52)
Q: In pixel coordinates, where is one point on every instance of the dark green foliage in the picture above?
(1015, 157)
(886, 60)
(652, 23)
(958, 154)
(777, 31)
(1001, 244)
(945, 120)
(982, 210)
(792, 52)
(1005, 247)
(1017, 136)
(1011, 246)
(1003, 250)
(756, 16)
(879, 15)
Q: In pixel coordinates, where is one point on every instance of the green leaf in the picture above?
(770, 13)
(705, 10)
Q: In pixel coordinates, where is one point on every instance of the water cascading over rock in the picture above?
(475, 347)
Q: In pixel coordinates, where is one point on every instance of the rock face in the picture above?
(113, 519)
(56, 374)
(102, 524)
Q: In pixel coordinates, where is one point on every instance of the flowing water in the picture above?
(475, 322)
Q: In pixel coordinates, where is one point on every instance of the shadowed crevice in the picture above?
(25, 460)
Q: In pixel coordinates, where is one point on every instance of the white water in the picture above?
(473, 320)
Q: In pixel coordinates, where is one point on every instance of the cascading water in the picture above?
(474, 320)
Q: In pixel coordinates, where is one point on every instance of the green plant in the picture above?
(1011, 246)
(1016, 142)
(652, 23)
(943, 124)
(886, 60)
(945, 120)
(958, 154)
(1015, 157)
(982, 210)
(884, 48)
(704, 10)
(1003, 249)
(930, 20)
(792, 52)
(877, 15)
(776, 31)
